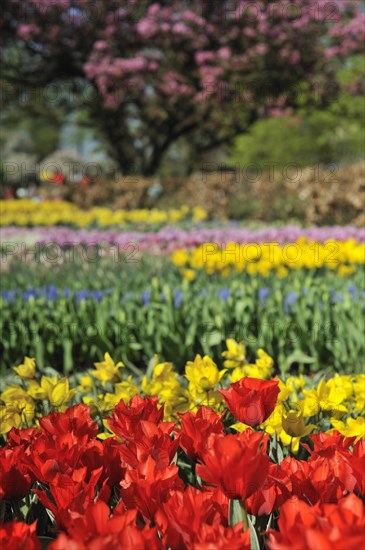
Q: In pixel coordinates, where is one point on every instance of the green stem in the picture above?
(244, 515)
(237, 513)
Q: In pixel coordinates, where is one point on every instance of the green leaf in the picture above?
(255, 544)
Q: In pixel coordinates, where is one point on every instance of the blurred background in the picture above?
(252, 110)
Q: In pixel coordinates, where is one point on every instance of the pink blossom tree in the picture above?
(153, 72)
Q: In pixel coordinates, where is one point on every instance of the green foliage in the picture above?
(322, 328)
(314, 134)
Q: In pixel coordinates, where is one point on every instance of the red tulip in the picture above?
(19, 536)
(148, 486)
(251, 400)
(276, 489)
(96, 521)
(130, 538)
(196, 428)
(218, 537)
(313, 481)
(76, 420)
(151, 440)
(357, 462)
(15, 478)
(196, 508)
(238, 463)
(126, 419)
(323, 526)
(21, 437)
(70, 495)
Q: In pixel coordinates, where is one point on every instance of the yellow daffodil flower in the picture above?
(203, 374)
(293, 423)
(352, 427)
(27, 369)
(86, 384)
(56, 391)
(325, 398)
(235, 354)
(107, 369)
(18, 409)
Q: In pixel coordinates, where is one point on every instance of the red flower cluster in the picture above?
(157, 485)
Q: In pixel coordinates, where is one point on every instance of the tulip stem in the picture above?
(237, 513)
(244, 515)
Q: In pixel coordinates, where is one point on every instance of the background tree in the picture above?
(310, 136)
(152, 72)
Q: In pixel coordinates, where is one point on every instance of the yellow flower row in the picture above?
(25, 212)
(303, 407)
(254, 258)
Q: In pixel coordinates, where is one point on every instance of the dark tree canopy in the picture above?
(153, 72)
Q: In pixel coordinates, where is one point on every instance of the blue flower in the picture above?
(224, 293)
(81, 295)
(264, 293)
(336, 297)
(66, 292)
(8, 295)
(351, 288)
(98, 295)
(290, 299)
(178, 298)
(52, 292)
(30, 293)
(146, 297)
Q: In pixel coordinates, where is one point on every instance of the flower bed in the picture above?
(218, 458)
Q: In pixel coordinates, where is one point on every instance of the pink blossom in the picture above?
(224, 53)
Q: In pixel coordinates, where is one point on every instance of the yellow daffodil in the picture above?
(235, 354)
(100, 405)
(86, 384)
(107, 369)
(325, 398)
(188, 274)
(175, 401)
(18, 409)
(9, 418)
(28, 212)
(236, 374)
(293, 423)
(239, 427)
(284, 392)
(359, 392)
(27, 369)
(295, 384)
(264, 361)
(274, 424)
(352, 427)
(126, 389)
(234, 257)
(56, 391)
(162, 375)
(210, 398)
(203, 374)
